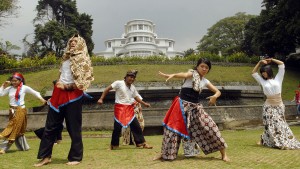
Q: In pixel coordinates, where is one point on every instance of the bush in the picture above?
(238, 57)
(49, 59)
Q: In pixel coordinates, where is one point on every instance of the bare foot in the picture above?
(225, 158)
(73, 163)
(157, 157)
(224, 155)
(258, 143)
(44, 161)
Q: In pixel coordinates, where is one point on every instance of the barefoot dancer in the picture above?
(186, 118)
(277, 133)
(16, 89)
(76, 75)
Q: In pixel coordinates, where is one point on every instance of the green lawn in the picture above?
(104, 75)
(242, 150)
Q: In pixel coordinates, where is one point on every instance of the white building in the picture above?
(139, 39)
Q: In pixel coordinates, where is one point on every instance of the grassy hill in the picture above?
(104, 75)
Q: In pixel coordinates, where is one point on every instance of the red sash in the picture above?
(124, 114)
(175, 119)
(61, 98)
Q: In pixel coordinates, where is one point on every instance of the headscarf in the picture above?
(20, 77)
(81, 66)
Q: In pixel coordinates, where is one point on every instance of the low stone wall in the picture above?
(227, 117)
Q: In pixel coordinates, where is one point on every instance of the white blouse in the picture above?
(271, 87)
(11, 91)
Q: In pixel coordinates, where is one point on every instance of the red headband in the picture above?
(18, 76)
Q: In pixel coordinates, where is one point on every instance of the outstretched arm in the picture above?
(105, 92)
(138, 99)
(176, 75)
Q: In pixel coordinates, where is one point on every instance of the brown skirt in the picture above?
(17, 123)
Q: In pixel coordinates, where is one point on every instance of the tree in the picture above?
(56, 22)
(226, 35)
(8, 8)
(277, 30)
(6, 47)
(188, 52)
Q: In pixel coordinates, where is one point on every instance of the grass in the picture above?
(104, 75)
(242, 150)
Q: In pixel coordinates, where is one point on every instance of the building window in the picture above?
(134, 27)
(123, 42)
(109, 44)
(170, 44)
(134, 39)
(147, 39)
(140, 38)
(140, 27)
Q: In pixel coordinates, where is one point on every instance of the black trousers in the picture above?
(72, 114)
(135, 129)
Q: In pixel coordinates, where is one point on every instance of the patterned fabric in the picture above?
(126, 131)
(202, 129)
(170, 145)
(16, 125)
(190, 148)
(277, 133)
(196, 81)
(81, 66)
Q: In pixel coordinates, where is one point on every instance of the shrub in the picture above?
(238, 57)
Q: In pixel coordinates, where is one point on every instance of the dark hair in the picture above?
(203, 60)
(268, 70)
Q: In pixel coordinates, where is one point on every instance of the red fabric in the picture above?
(297, 96)
(174, 119)
(17, 95)
(61, 97)
(124, 114)
(21, 78)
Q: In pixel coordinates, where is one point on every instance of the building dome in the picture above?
(139, 39)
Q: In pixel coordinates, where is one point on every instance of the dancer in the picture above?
(277, 133)
(16, 89)
(76, 75)
(186, 117)
(123, 110)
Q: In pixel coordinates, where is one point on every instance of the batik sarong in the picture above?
(277, 133)
(202, 129)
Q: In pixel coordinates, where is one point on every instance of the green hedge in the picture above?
(50, 59)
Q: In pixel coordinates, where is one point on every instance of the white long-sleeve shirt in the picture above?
(271, 87)
(11, 91)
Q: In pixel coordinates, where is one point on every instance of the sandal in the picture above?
(144, 145)
(111, 147)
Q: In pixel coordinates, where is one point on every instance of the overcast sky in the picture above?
(185, 21)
